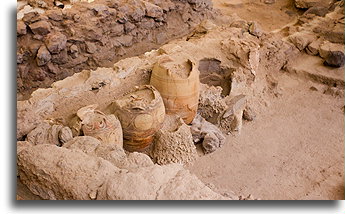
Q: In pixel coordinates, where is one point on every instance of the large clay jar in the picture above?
(106, 128)
(141, 113)
(177, 80)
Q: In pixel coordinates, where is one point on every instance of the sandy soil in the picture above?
(294, 149)
(269, 16)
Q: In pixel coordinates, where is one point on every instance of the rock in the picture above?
(269, 1)
(317, 10)
(125, 40)
(21, 5)
(327, 47)
(56, 42)
(60, 58)
(248, 114)
(336, 34)
(53, 69)
(59, 4)
(45, 133)
(255, 29)
(153, 10)
(73, 49)
(245, 52)
(90, 47)
(65, 135)
(58, 173)
(207, 133)
(235, 112)
(43, 56)
(21, 28)
(28, 9)
(234, 3)
(55, 15)
(117, 29)
(40, 27)
(174, 143)
(99, 8)
(313, 88)
(147, 23)
(335, 92)
(30, 17)
(305, 4)
(86, 144)
(117, 156)
(302, 39)
(240, 24)
(129, 27)
(246, 198)
(211, 104)
(34, 46)
(335, 59)
(136, 160)
(19, 58)
(76, 18)
(313, 47)
(40, 3)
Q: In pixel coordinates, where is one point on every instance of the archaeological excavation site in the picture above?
(180, 100)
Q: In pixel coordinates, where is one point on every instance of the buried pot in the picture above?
(141, 113)
(94, 123)
(177, 80)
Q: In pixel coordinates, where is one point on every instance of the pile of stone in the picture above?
(54, 42)
(321, 31)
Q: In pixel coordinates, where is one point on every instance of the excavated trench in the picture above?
(54, 43)
(239, 69)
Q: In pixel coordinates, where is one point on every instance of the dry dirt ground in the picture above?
(294, 149)
(269, 16)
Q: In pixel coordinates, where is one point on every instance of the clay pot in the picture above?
(177, 80)
(141, 113)
(106, 128)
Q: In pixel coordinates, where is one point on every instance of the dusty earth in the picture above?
(270, 16)
(294, 147)
(292, 150)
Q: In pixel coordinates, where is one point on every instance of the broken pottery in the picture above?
(177, 80)
(141, 113)
(106, 128)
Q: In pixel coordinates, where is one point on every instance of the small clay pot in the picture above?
(106, 128)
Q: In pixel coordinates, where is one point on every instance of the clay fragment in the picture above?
(208, 134)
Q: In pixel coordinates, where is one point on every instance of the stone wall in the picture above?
(60, 42)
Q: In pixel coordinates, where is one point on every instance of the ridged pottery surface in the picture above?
(106, 128)
(177, 80)
(141, 113)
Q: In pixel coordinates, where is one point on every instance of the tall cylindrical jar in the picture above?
(177, 80)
